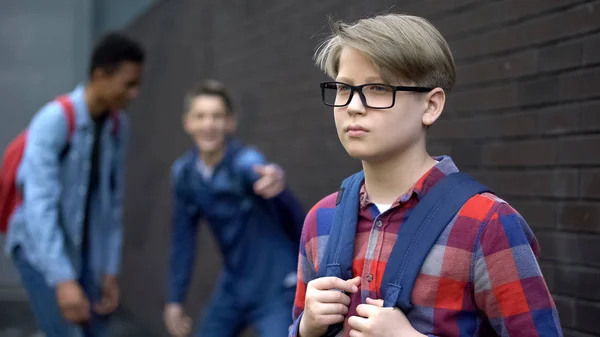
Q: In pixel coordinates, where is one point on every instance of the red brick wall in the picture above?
(524, 118)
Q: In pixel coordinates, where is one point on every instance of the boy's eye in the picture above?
(380, 88)
(343, 87)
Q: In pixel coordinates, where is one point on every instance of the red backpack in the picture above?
(10, 196)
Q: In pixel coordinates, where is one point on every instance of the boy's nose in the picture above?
(356, 105)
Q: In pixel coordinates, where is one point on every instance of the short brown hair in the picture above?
(210, 88)
(405, 48)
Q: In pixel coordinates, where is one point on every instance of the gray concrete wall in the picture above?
(44, 51)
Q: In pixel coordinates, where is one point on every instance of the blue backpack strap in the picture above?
(420, 232)
(337, 257)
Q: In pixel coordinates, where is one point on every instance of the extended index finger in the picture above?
(331, 282)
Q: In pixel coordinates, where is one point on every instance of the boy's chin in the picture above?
(361, 153)
(210, 147)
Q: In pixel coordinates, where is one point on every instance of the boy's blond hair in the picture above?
(405, 48)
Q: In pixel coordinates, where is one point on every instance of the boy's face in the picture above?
(376, 134)
(208, 122)
(119, 88)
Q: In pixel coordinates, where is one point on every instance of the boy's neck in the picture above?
(387, 180)
(211, 159)
(95, 106)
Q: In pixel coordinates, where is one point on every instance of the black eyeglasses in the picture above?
(372, 95)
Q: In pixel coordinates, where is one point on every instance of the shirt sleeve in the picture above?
(509, 286)
(183, 240)
(306, 267)
(46, 139)
(245, 162)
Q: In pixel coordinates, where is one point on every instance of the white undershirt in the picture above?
(204, 170)
(383, 207)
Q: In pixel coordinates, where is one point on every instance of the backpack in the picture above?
(416, 237)
(10, 196)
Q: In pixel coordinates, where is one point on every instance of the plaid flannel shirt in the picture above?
(481, 278)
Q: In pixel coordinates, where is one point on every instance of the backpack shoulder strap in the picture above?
(420, 232)
(69, 112)
(337, 257)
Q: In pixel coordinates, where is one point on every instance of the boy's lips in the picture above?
(356, 130)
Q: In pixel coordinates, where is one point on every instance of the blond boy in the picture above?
(391, 74)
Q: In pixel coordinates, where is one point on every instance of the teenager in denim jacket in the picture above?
(65, 239)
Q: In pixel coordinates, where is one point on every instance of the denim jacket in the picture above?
(48, 226)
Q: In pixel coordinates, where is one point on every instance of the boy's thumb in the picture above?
(355, 281)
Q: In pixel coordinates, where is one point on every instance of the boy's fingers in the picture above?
(357, 323)
(263, 170)
(334, 296)
(377, 303)
(355, 281)
(366, 310)
(102, 307)
(262, 184)
(329, 283)
(331, 309)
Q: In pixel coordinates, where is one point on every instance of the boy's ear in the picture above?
(435, 100)
(184, 123)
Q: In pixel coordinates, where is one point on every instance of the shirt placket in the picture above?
(373, 258)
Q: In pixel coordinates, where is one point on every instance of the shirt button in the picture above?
(378, 223)
(82, 191)
(369, 278)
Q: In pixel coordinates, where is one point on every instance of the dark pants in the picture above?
(225, 317)
(42, 300)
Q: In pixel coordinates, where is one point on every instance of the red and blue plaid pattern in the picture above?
(481, 278)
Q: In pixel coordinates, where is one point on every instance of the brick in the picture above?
(581, 282)
(551, 27)
(574, 333)
(560, 57)
(431, 7)
(580, 216)
(539, 183)
(549, 273)
(494, 13)
(511, 66)
(466, 154)
(570, 248)
(507, 125)
(591, 51)
(444, 129)
(540, 215)
(580, 85)
(587, 314)
(503, 96)
(566, 310)
(559, 120)
(590, 117)
(540, 152)
(590, 183)
(438, 148)
(538, 91)
(579, 150)
(495, 126)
